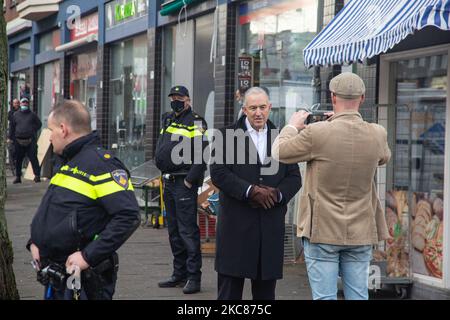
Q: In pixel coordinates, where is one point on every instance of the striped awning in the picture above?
(366, 28)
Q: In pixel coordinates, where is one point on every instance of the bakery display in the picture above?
(438, 208)
(416, 228)
(433, 257)
(420, 223)
(427, 234)
(397, 246)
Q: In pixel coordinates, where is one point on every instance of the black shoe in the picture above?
(18, 180)
(172, 282)
(192, 286)
(37, 179)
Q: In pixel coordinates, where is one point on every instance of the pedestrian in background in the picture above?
(181, 183)
(251, 223)
(25, 125)
(15, 105)
(340, 215)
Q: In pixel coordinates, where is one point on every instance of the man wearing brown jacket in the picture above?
(340, 216)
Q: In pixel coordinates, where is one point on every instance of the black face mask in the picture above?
(177, 106)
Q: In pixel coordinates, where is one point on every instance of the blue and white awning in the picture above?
(365, 28)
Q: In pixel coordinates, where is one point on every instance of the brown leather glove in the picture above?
(261, 197)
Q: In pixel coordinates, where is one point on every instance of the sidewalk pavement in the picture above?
(145, 258)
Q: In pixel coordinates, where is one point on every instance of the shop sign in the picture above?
(86, 26)
(124, 11)
(120, 11)
(248, 71)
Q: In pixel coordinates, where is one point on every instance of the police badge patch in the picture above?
(121, 178)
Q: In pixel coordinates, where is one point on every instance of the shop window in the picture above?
(274, 36)
(83, 82)
(22, 50)
(49, 41)
(415, 178)
(186, 61)
(48, 89)
(20, 85)
(128, 100)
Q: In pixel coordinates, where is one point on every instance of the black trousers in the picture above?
(230, 288)
(31, 152)
(184, 233)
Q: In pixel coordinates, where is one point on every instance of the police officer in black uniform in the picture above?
(87, 213)
(181, 182)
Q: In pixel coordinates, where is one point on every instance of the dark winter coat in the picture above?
(24, 125)
(246, 235)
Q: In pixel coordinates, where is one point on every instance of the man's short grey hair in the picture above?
(75, 114)
(252, 91)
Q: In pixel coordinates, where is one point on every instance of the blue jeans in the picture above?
(325, 262)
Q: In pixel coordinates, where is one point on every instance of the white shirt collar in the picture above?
(250, 129)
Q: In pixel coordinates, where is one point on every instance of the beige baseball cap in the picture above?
(347, 85)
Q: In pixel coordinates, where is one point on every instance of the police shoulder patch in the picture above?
(121, 178)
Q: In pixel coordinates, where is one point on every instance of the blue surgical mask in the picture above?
(24, 108)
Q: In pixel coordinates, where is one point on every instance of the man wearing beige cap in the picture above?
(340, 216)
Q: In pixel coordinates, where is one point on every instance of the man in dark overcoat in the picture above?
(254, 193)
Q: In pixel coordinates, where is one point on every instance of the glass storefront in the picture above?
(416, 171)
(20, 85)
(83, 82)
(186, 61)
(22, 50)
(128, 100)
(49, 41)
(48, 89)
(271, 38)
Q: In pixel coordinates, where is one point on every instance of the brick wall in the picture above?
(225, 75)
(64, 65)
(103, 72)
(154, 84)
(11, 9)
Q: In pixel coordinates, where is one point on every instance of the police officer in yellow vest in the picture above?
(87, 213)
(181, 182)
